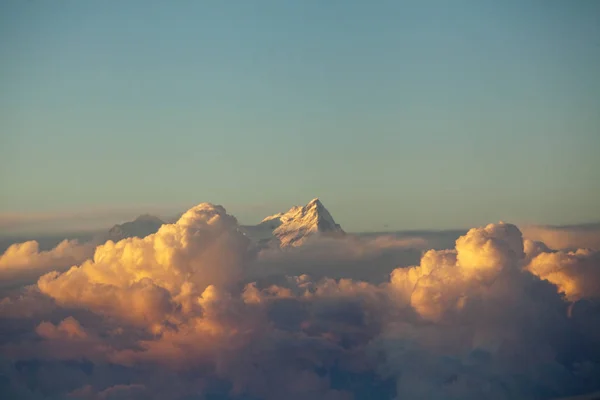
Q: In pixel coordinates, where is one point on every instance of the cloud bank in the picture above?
(23, 262)
(566, 237)
(193, 312)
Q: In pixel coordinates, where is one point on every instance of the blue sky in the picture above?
(397, 114)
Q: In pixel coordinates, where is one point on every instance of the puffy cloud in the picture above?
(574, 273)
(23, 263)
(69, 328)
(190, 312)
(446, 279)
(144, 280)
(498, 332)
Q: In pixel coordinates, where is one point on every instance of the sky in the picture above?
(398, 115)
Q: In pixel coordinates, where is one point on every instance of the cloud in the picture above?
(116, 392)
(23, 263)
(343, 257)
(586, 236)
(69, 328)
(143, 280)
(446, 279)
(193, 312)
(576, 274)
(498, 331)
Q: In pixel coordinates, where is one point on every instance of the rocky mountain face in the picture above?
(293, 227)
(142, 226)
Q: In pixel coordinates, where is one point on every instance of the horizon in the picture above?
(23, 226)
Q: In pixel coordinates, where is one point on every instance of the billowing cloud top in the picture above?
(139, 278)
(192, 311)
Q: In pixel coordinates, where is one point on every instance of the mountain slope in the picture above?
(293, 227)
(142, 226)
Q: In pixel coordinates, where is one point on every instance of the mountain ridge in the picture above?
(142, 226)
(287, 229)
(292, 228)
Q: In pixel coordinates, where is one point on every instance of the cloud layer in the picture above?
(566, 237)
(192, 312)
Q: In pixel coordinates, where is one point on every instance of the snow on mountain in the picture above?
(292, 228)
(142, 226)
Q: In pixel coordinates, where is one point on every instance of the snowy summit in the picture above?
(293, 227)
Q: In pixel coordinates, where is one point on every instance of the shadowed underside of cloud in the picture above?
(194, 312)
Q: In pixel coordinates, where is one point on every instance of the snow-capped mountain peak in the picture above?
(272, 218)
(294, 226)
(290, 228)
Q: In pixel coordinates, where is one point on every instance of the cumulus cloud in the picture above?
(23, 263)
(69, 328)
(193, 312)
(446, 279)
(498, 331)
(144, 280)
(576, 274)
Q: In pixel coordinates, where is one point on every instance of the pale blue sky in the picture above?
(410, 114)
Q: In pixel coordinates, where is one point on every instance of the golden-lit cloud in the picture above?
(576, 274)
(447, 278)
(192, 310)
(145, 280)
(24, 262)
